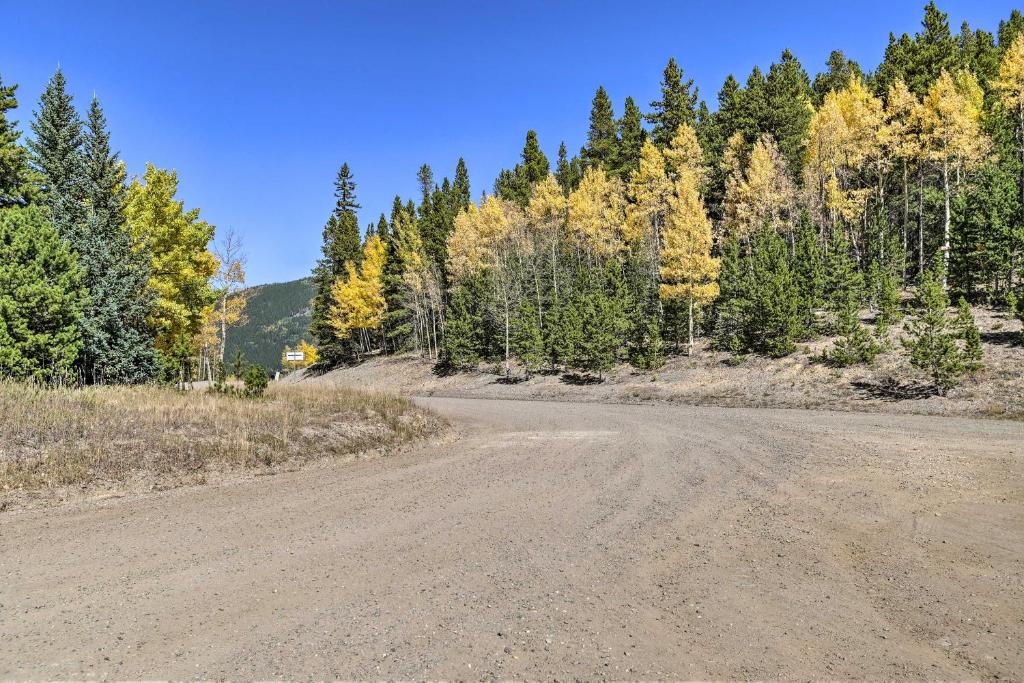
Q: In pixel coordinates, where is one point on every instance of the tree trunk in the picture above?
(689, 347)
(945, 224)
(920, 222)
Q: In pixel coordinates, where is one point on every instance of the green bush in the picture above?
(256, 381)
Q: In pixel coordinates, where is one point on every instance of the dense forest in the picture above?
(875, 207)
(104, 280)
(798, 207)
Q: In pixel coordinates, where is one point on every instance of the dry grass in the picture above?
(57, 437)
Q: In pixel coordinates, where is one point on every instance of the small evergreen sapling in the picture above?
(932, 343)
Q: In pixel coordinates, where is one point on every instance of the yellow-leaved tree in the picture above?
(688, 271)
(951, 135)
(597, 214)
(182, 263)
(491, 239)
(903, 142)
(359, 303)
(763, 196)
(546, 215)
(1010, 86)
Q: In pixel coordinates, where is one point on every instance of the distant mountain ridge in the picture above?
(278, 315)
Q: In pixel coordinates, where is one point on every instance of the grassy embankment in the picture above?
(51, 438)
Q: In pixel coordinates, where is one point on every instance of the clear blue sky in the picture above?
(256, 104)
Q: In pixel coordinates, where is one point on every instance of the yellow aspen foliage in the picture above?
(951, 121)
(902, 115)
(477, 234)
(764, 194)
(597, 213)
(685, 155)
(845, 138)
(1010, 83)
(951, 135)
(649, 189)
(548, 204)
(688, 271)
(182, 264)
(359, 296)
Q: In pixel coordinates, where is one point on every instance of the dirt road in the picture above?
(552, 541)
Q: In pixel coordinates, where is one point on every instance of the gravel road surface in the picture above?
(552, 540)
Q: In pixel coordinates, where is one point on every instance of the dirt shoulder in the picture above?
(714, 379)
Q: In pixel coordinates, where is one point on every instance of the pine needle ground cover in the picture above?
(54, 438)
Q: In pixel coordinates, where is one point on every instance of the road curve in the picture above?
(552, 541)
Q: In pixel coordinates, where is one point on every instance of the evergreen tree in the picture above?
(601, 139)
(788, 96)
(41, 299)
(808, 272)
(460, 188)
(631, 140)
(774, 307)
(118, 339)
(855, 344)
(678, 105)
(839, 71)
(969, 335)
(15, 175)
(527, 340)
(57, 158)
(931, 342)
(341, 245)
(535, 165)
(568, 172)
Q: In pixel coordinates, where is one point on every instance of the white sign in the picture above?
(295, 356)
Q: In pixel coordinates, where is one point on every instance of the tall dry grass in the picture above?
(55, 437)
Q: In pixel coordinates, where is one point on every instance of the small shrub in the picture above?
(256, 381)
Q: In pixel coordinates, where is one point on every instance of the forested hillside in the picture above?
(276, 315)
(790, 208)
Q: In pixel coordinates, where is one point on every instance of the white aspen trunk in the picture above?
(689, 347)
(945, 224)
(920, 222)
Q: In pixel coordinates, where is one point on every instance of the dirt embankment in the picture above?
(710, 378)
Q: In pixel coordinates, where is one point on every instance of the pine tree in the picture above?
(527, 340)
(535, 165)
(969, 335)
(341, 245)
(788, 96)
(568, 172)
(855, 344)
(118, 339)
(460, 347)
(16, 187)
(631, 140)
(677, 106)
(839, 71)
(602, 142)
(57, 158)
(931, 342)
(774, 307)
(41, 299)
(460, 188)
(808, 272)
